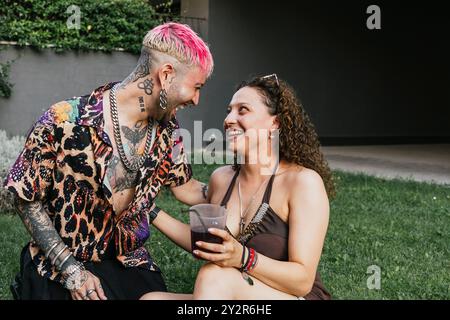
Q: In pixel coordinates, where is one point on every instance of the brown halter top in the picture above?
(268, 234)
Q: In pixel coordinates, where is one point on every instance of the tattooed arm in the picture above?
(191, 193)
(40, 226)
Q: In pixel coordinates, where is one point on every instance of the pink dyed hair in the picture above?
(181, 42)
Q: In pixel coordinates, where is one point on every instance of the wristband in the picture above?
(153, 214)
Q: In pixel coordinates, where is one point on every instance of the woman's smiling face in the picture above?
(248, 122)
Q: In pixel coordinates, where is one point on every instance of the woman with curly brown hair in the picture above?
(276, 223)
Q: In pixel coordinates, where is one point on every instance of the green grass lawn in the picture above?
(402, 227)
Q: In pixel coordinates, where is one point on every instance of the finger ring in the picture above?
(89, 292)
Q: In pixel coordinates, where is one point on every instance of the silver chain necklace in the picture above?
(135, 165)
(244, 214)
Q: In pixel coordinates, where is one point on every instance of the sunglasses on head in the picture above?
(273, 75)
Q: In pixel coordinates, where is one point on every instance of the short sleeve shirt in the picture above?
(63, 165)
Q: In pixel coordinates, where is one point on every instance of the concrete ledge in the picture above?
(427, 163)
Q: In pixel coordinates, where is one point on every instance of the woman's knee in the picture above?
(210, 272)
(156, 295)
(213, 276)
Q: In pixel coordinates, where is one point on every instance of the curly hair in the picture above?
(299, 142)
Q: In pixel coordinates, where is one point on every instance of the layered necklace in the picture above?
(242, 213)
(132, 166)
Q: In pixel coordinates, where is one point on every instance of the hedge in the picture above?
(104, 25)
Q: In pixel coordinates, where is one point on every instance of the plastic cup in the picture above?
(201, 218)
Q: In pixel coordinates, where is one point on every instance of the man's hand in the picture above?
(90, 290)
(191, 193)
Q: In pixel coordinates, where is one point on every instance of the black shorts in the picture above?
(117, 281)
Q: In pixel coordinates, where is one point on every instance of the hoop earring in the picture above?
(163, 99)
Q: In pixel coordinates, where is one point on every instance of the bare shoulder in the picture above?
(307, 195)
(305, 179)
(221, 175)
(219, 182)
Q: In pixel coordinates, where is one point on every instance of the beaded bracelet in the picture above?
(252, 260)
(245, 276)
(243, 258)
(255, 261)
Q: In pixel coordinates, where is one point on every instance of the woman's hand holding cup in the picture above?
(227, 254)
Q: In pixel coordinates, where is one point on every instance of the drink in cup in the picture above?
(202, 217)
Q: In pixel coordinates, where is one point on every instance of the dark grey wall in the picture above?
(354, 82)
(42, 78)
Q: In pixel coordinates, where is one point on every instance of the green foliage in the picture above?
(5, 85)
(104, 25)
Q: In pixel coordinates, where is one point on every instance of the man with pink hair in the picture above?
(86, 181)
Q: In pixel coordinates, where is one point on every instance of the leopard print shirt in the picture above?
(63, 164)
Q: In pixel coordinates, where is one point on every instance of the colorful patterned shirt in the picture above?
(63, 165)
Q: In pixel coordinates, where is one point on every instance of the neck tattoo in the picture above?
(135, 165)
(142, 69)
(141, 104)
(147, 86)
